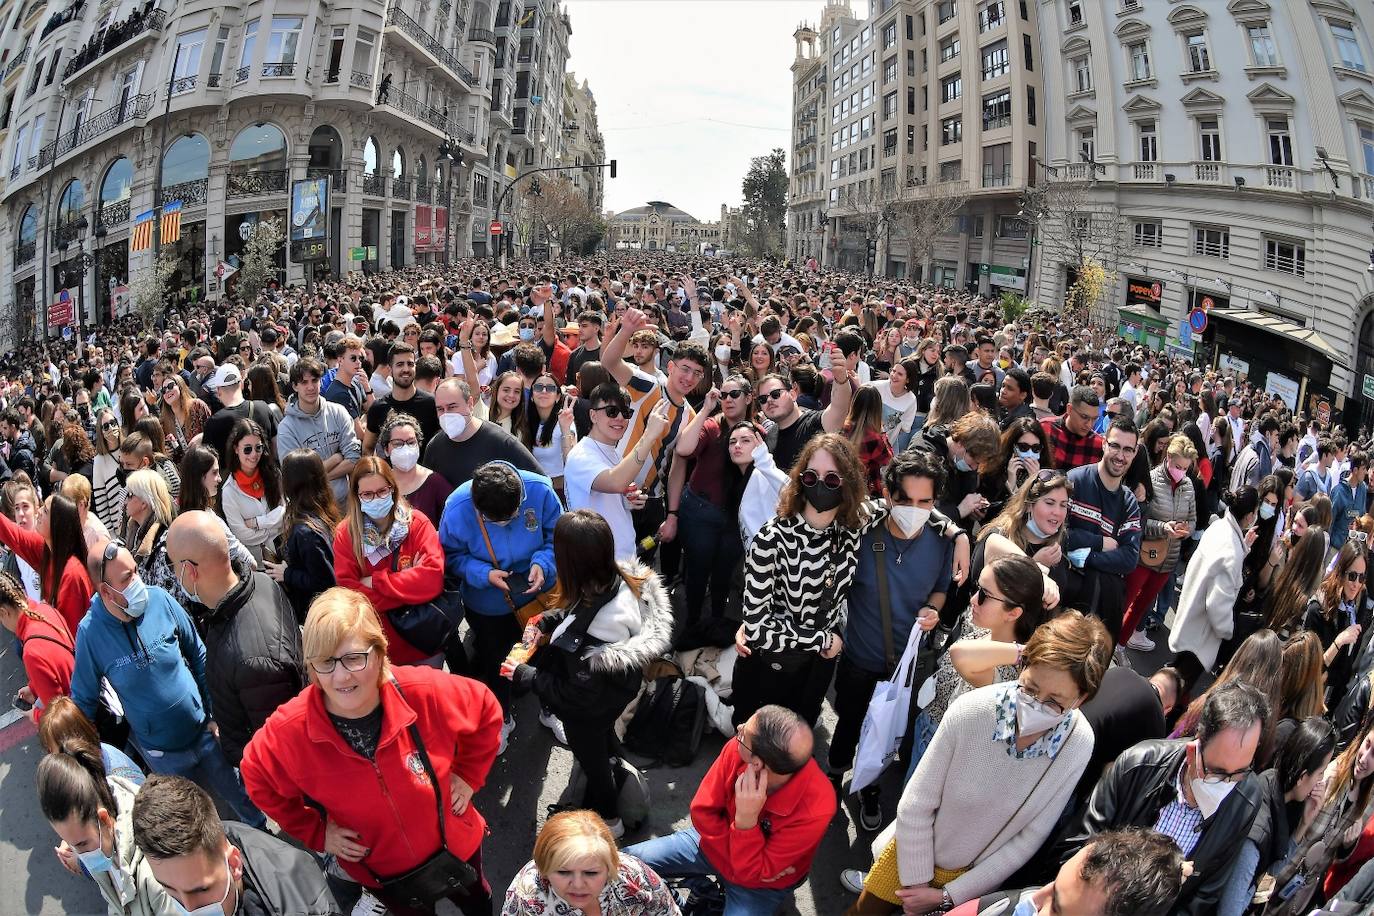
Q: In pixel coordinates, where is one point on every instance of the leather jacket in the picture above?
(1133, 791)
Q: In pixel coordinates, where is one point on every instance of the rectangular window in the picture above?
(866, 35)
(1030, 105)
(1075, 12)
(36, 139)
(1148, 234)
(996, 60)
(889, 70)
(865, 127)
(1348, 45)
(1212, 241)
(1280, 141)
(890, 142)
(889, 35)
(1367, 144)
(221, 49)
(1140, 60)
(1149, 141)
(951, 130)
(911, 100)
(991, 15)
(189, 48)
(250, 38)
(997, 165)
(997, 110)
(909, 29)
(1285, 257)
(946, 10)
(949, 48)
(1209, 139)
(951, 171)
(911, 63)
(1086, 138)
(1263, 51)
(889, 106)
(1082, 73)
(1199, 58)
(1028, 51)
(978, 227)
(20, 145)
(950, 88)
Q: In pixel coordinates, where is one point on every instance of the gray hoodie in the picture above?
(329, 432)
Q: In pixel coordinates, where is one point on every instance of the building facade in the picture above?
(583, 141)
(1227, 149)
(659, 226)
(917, 100)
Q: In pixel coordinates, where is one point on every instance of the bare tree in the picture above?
(150, 287)
(924, 214)
(1076, 228)
(259, 259)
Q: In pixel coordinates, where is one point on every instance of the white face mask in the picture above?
(1209, 795)
(405, 457)
(1032, 717)
(453, 424)
(911, 519)
(723, 352)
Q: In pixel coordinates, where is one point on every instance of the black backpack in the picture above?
(668, 722)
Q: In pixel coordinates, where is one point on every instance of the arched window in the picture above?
(70, 203)
(119, 178)
(398, 163)
(259, 147)
(371, 157)
(438, 175)
(421, 168)
(188, 159)
(326, 149)
(28, 226)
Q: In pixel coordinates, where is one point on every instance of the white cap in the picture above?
(225, 376)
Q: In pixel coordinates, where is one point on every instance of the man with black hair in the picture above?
(983, 362)
(1013, 397)
(1073, 443)
(1256, 461)
(758, 816)
(589, 325)
(404, 397)
(21, 453)
(230, 867)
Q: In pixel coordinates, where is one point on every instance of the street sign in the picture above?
(60, 310)
(496, 228)
(1369, 386)
(372, 252)
(357, 254)
(1177, 352)
(1207, 303)
(1198, 320)
(1185, 334)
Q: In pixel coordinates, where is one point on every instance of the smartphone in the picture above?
(22, 704)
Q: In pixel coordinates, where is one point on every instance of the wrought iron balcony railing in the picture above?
(191, 193)
(256, 183)
(361, 79)
(15, 63)
(118, 34)
(25, 252)
(428, 113)
(280, 68)
(183, 84)
(213, 80)
(403, 21)
(338, 178)
(483, 35)
(241, 74)
(113, 213)
(95, 127)
(374, 185)
(400, 187)
(422, 193)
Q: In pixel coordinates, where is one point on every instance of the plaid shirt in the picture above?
(1180, 821)
(1070, 451)
(875, 453)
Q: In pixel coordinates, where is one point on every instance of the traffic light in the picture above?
(612, 168)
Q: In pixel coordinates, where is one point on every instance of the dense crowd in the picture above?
(304, 556)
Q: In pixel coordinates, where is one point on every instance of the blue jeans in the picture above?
(711, 549)
(679, 855)
(204, 763)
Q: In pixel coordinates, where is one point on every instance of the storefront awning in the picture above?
(1280, 327)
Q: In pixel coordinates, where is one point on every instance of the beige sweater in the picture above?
(966, 793)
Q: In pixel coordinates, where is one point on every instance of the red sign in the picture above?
(60, 311)
(440, 228)
(423, 232)
(496, 228)
(1207, 303)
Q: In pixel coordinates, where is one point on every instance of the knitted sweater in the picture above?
(965, 799)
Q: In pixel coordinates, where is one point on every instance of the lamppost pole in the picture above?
(510, 185)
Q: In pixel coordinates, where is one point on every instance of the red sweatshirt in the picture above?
(73, 591)
(49, 654)
(419, 577)
(798, 814)
(297, 764)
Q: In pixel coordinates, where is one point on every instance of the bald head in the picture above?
(779, 738)
(199, 537)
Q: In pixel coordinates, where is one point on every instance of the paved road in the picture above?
(529, 777)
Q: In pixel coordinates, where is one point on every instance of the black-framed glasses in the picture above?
(109, 425)
(739, 736)
(1354, 577)
(1028, 447)
(831, 479)
(615, 411)
(735, 393)
(168, 387)
(773, 395)
(352, 661)
(252, 449)
(1217, 777)
(544, 388)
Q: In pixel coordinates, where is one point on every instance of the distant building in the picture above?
(659, 226)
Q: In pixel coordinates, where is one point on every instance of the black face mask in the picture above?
(821, 497)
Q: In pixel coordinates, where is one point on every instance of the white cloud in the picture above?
(687, 92)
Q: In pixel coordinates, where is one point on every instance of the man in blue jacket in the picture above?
(497, 532)
(1349, 499)
(144, 644)
(1103, 537)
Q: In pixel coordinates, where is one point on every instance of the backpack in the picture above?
(668, 722)
(632, 802)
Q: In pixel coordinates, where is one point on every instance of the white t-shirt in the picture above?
(484, 375)
(586, 460)
(550, 457)
(899, 411)
(381, 387)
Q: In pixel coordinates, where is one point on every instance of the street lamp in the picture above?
(449, 152)
(83, 263)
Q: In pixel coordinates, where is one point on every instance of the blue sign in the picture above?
(1198, 320)
(1177, 352)
(1185, 334)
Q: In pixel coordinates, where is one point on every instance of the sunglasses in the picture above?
(983, 594)
(773, 395)
(832, 479)
(736, 393)
(544, 388)
(170, 386)
(1029, 447)
(1354, 577)
(252, 449)
(615, 411)
(109, 425)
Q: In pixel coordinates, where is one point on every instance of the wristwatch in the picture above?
(946, 901)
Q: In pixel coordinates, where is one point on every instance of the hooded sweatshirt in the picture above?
(329, 432)
(156, 665)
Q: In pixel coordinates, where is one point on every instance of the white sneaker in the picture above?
(852, 879)
(507, 726)
(1140, 642)
(617, 828)
(369, 905)
(555, 725)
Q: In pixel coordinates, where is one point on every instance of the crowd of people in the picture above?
(301, 559)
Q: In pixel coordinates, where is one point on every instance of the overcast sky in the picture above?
(687, 92)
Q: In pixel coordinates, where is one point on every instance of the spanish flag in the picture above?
(171, 222)
(143, 231)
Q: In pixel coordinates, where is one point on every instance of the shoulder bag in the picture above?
(430, 625)
(1154, 553)
(523, 612)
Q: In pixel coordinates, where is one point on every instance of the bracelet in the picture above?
(672, 512)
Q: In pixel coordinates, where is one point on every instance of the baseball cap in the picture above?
(225, 376)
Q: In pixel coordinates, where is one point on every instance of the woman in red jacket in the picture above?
(55, 547)
(388, 552)
(49, 651)
(339, 769)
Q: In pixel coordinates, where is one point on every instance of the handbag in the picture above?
(430, 625)
(536, 605)
(442, 874)
(1154, 553)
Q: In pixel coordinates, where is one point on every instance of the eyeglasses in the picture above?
(111, 551)
(739, 736)
(169, 387)
(983, 594)
(1216, 777)
(352, 661)
(375, 494)
(1354, 577)
(735, 393)
(252, 449)
(1052, 706)
(544, 388)
(1112, 415)
(832, 480)
(1029, 447)
(773, 395)
(615, 411)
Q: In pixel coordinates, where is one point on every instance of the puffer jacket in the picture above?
(597, 677)
(1169, 504)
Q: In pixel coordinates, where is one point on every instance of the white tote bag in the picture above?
(886, 719)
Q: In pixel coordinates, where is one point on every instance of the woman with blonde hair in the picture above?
(1302, 683)
(78, 489)
(951, 401)
(377, 763)
(149, 509)
(388, 552)
(577, 867)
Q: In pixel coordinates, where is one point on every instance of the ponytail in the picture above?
(72, 781)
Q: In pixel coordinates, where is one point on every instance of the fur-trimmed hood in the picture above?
(631, 629)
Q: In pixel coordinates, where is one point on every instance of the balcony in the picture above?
(191, 193)
(101, 125)
(1145, 171)
(65, 233)
(1209, 172)
(256, 183)
(114, 37)
(398, 19)
(360, 78)
(804, 142)
(338, 178)
(212, 80)
(400, 188)
(1078, 171)
(15, 63)
(114, 213)
(422, 191)
(996, 178)
(183, 84)
(434, 117)
(486, 36)
(1365, 183)
(241, 75)
(1280, 176)
(279, 69)
(25, 252)
(374, 185)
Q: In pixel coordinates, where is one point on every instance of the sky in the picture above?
(687, 92)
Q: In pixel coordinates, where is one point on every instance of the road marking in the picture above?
(15, 729)
(11, 717)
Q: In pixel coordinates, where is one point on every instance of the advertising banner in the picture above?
(423, 232)
(309, 215)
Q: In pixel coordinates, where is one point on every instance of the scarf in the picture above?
(251, 484)
(378, 546)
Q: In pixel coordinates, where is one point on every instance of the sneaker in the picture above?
(617, 828)
(1140, 642)
(1119, 657)
(369, 905)
(555, 725)
(852, 880)
(870, 810)
(507, 727)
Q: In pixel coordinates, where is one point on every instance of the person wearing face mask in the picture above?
(888, 608)
(144, 644)
(469, 442)
(399, 443)
(1170, 518)
(91, 811)
(209, 867)
(1199, 792)
(961, 449)
(995, 779)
